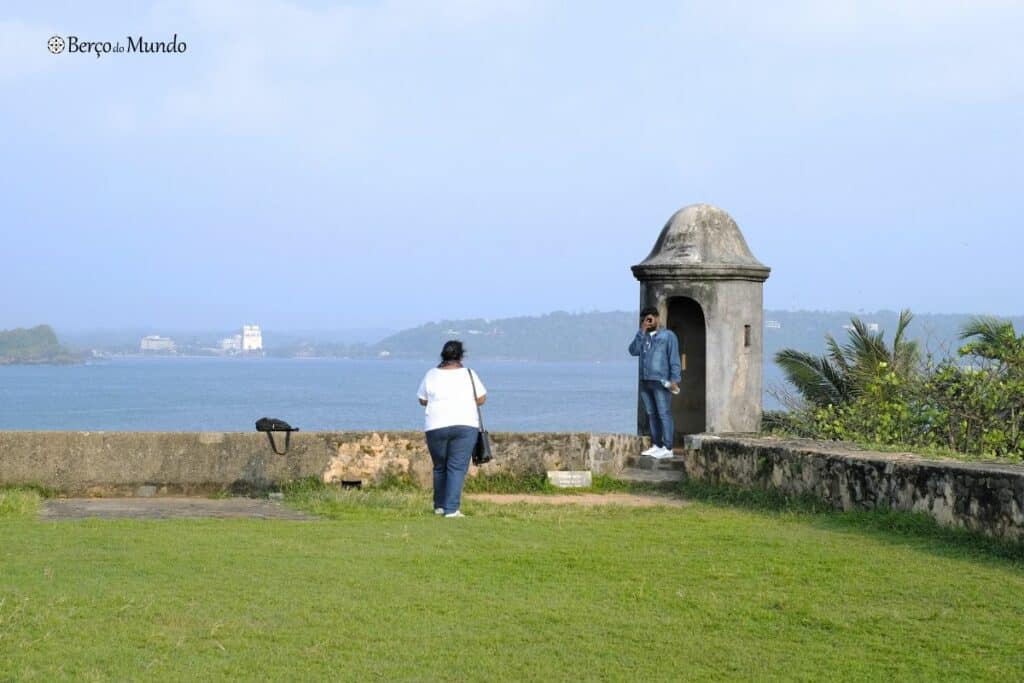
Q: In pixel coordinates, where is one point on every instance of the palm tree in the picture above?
(995, 339)
(841, 374)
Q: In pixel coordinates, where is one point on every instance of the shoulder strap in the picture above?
(479, 415)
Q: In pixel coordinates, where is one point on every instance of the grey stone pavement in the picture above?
(166, 508)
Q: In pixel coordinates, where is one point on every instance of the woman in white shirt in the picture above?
(452, 424)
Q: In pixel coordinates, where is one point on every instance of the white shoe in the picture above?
(661, 453)
(457, 513)
(438, 511)
(650, 451)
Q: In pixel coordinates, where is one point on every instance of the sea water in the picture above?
(230, 394)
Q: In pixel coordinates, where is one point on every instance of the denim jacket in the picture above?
(659, 355)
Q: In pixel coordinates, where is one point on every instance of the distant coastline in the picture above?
(55, 360)
(559, 337)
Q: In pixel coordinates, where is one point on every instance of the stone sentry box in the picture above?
(707, 286)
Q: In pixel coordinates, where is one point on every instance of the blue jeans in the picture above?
(451, 449)
(658, 405)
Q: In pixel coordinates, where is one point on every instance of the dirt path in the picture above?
(584, 499)
(165, 508)
(58, 509)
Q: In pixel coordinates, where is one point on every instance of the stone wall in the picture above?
(122, 463)
(982, 497)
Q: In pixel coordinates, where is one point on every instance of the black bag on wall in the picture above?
(271, 425)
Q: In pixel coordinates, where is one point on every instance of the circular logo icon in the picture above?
(56, 45)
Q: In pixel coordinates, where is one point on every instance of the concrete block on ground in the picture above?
(572, 479)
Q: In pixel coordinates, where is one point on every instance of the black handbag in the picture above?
(482, 449)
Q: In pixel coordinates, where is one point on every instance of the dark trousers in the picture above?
(658, 405)
(451, 449)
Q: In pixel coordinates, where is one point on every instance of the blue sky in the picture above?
(367, 164)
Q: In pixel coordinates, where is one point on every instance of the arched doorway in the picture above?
(689, 410)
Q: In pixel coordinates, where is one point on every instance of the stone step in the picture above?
(660, 478)
(646, 462)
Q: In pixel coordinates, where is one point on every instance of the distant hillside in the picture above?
(556, 336)
(37, 345)
(603, 336)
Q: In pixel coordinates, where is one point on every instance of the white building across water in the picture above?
(155, 342)
(252, 338)
(231, 344)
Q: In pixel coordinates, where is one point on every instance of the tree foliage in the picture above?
(34, 345)
(869, 392)
(846, 371)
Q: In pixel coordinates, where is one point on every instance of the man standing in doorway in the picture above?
(660, 374)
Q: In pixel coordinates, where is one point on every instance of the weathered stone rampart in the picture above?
(983, 497)
(123, 463)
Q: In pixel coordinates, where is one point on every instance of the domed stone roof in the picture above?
(701, 241)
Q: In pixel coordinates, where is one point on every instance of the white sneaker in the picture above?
(438, 511)
(650, 451)
(457, 513)
(662, 452)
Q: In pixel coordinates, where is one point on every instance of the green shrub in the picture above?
(974, 407)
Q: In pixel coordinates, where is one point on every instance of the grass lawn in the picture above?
(382, 589)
